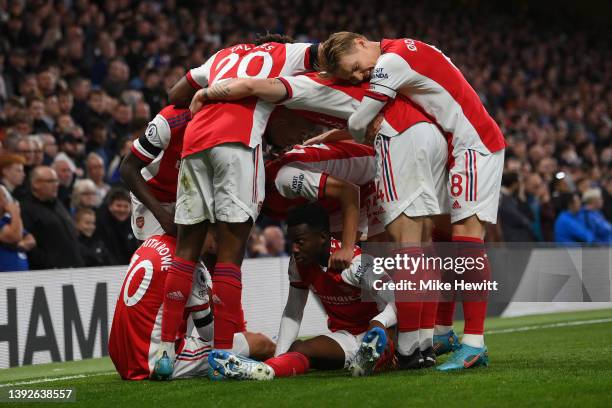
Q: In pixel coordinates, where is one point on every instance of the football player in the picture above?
(354, 309)
(135, 338)
(424, 74)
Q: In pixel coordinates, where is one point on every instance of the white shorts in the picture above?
(144, 223)
(474, 183)
(348, 342)
(224, 183)
(411, 173)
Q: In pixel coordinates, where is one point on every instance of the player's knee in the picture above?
(300, 346)
(261, 347)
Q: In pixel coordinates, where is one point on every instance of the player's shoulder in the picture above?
(174, 117)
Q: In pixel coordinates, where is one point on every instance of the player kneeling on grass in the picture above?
(135, 339)
(358, 339)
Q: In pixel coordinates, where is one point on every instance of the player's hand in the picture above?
(341, 259)
(166, 220)
(322, 138)
(198, 101)
(373, 129)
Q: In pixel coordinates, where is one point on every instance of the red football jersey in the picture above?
(425, 75)
(299, 175)
(337, 290)
(244, 121)
(160, 147)
(136, 329)
(331, 102)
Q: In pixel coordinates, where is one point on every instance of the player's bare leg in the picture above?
(227, 281)
(408, 231)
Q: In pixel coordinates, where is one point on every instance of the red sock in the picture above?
(289, 364)
(408, 304)
(445, 313)
(430, 298)
(474, 302)
(445, 310)
(227, 300)
(177, 289)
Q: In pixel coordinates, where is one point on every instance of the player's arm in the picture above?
(361, 274)
(269, 90)
(181, 93)
(144, 150)
(316, 185)
(367, 112)
(334, 135)
(291, 319)
(348, 196)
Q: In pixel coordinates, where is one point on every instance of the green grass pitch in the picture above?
(558, 360)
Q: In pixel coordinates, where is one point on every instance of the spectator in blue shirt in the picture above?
(570, 227)
(593, 217)
(14, 240)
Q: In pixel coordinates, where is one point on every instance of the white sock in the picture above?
(473, 340)
(426, 338)
(440, 330)
(408, 342)
(168, 347)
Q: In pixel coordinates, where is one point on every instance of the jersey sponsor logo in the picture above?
(297, 184)
(379, 73)
(410, 45)
(140, 221)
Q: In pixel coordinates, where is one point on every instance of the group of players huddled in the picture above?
(409, 156)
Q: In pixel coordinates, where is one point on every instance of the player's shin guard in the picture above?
(408, 304)
(289, 364)
(474, 302)
(177, 290)
(227, 300)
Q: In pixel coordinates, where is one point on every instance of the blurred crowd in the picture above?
(79, 80)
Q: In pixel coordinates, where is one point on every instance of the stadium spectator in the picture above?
(93, 249)
(593, 217)
(570, 227)
(94, 166)
(514, 212)
(65, 169)
(275, 241)
(15, 241)
(50, 148)
(12, 174)
(551, 99)
(123, 147)
(114, 226)
(84, 195)
(50, 223)
(38, 149)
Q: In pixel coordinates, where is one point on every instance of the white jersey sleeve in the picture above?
(391, 73)
(305, 94)
(297, 58)
(297, 180)
(199, 77)
(155, 139)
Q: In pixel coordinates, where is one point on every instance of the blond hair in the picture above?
(335, 47)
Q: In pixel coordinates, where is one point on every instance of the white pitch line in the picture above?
(500, 331)
(548, 326)
(45, 380)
